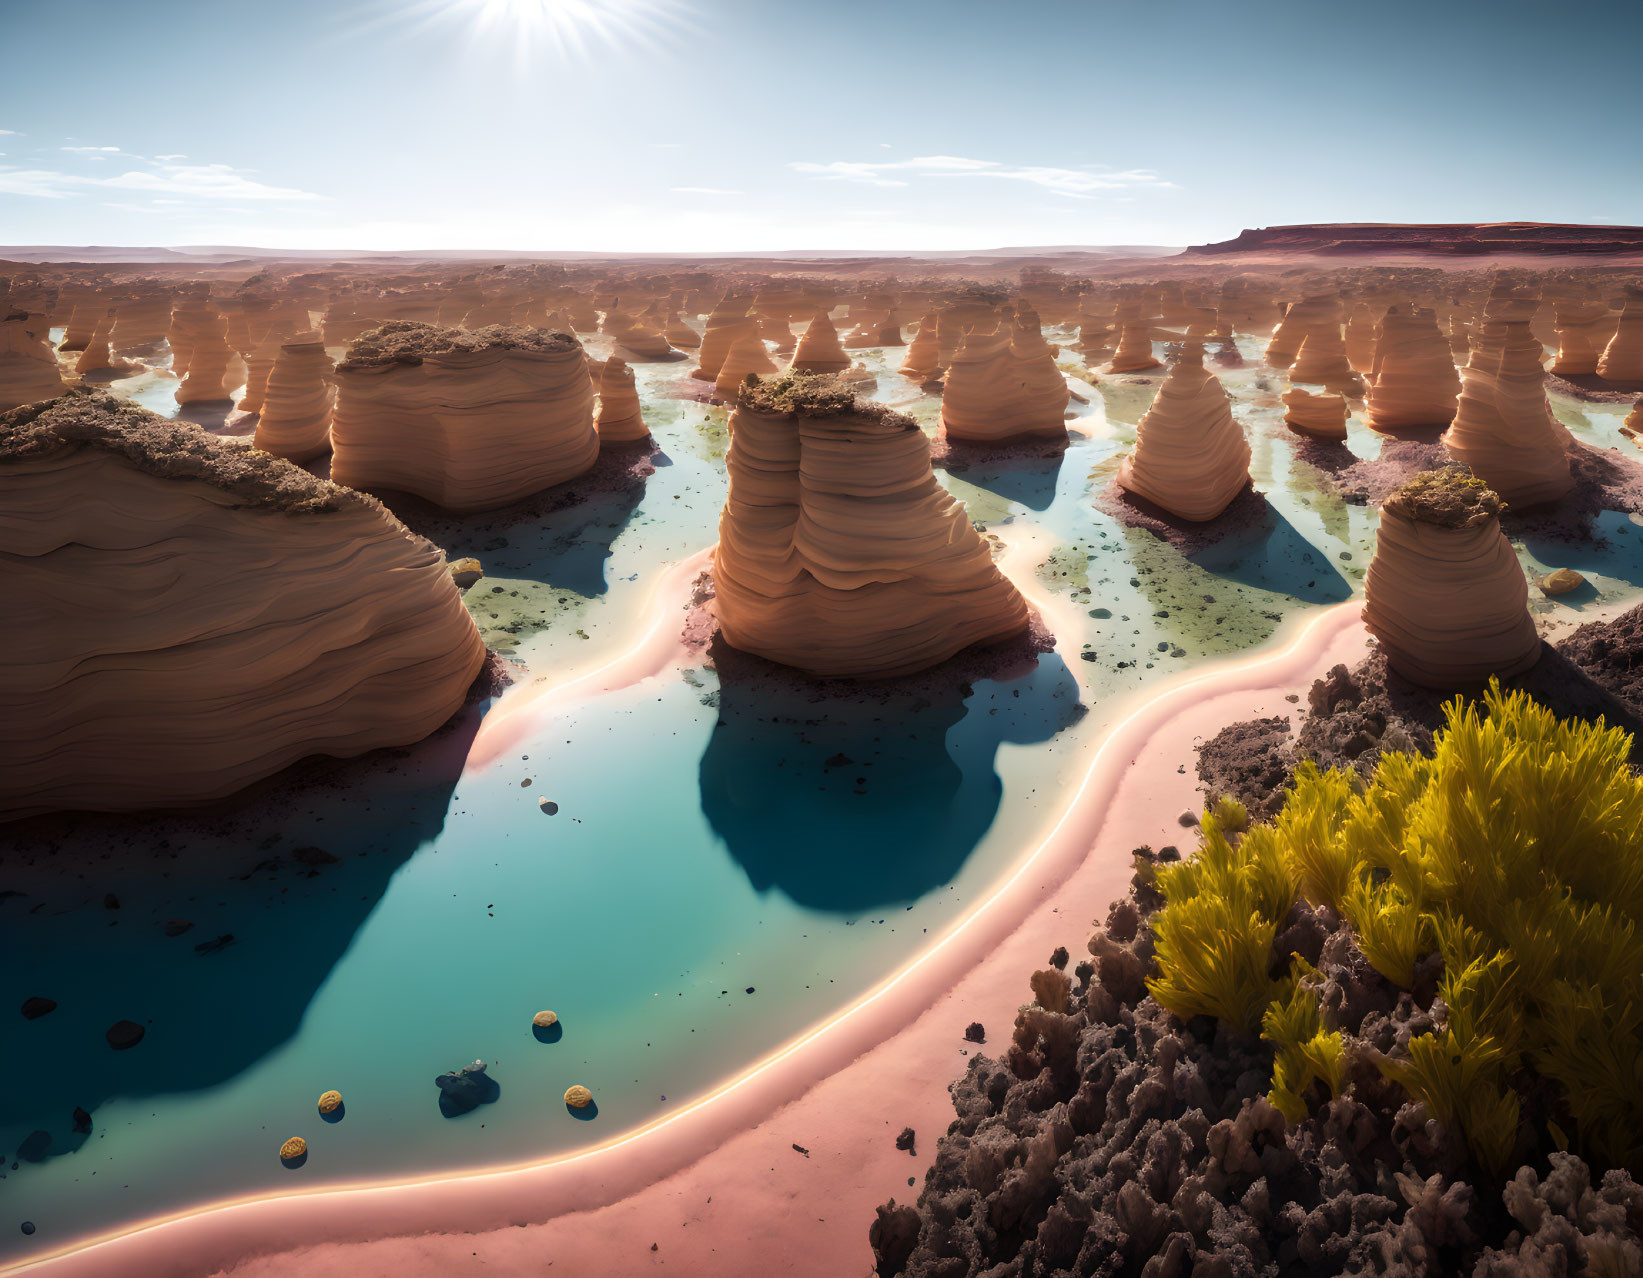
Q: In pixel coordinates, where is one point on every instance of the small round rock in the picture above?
(1561, 582)
(545, 1020)
(548, 806)
(578, 1097)
(330, 1102)
(294, 1150)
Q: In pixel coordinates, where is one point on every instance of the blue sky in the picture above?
(718, 125)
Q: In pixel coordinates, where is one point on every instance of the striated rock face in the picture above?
(28, 368)
(680, 334)
(839, 553)
(141, 320)
(295, 420)
(1320, 416)
(98, 352)
(82, 322)
(468, 419)
(193, 616)
(1297, 324)
(1322, 359)
(726, 323)
(819, 350)
(1583, 330)
(211, 371)
(922, 362)
(1134, 350)
(1444, 593)
(1623, 357)
(1190, 456)
(1003, 386)
(1360, 338)
(1413, 384)
(1504, 428)
(746, 358)
(619, 420)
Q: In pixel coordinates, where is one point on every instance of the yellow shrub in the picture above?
(1515, 852)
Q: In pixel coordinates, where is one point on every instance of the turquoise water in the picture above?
(711, 836)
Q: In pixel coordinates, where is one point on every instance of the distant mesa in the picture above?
(1445, 238)
(839, 553)
(201, 615)
(467, 419)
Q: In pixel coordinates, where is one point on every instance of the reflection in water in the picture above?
(849, 805)
(218, 970)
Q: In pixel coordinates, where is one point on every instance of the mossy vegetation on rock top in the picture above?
(1449, 497)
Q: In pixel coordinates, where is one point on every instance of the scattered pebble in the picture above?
(1188, 818)
(547, 805)
(974, 1033)
(28, 1226)
(905, 1141)
(36, 1007)
(578, 1097)
(545, 1020)
(294, 1152)
(124, 1034)
(330, 1102)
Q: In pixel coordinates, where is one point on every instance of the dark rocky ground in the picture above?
(1111, 1138)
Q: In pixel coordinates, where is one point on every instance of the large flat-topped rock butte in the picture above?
(1450, 238)
(1444, 593)
(1004, 385)
(839, 553)
(192, 616)
(468, 419)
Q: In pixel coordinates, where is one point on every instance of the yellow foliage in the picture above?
(1515, 852)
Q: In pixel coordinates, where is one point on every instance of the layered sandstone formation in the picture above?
(1134, 350)
(1583, 330)
(819, 350)
(99, 352)
(680, 334)
(1444, 593)
(922, 362)
(1319, 416)
(28, 367)
(295, 419)
(619, 419)
(1623, 357)
(212, 371)
(1413, 384)
(140, 320)
(1190, 456)
(1504, 428)
(82, 323)
(1297, 325)
(1003, 386)
(1360, 338)
(1322, 359)
(468, 419)
(727, 323)
(839, 553)
(746, 358)
(190, 616)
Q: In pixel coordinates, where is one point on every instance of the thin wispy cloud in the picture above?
(705, 190)
(193, 181)
(88, 148)
(1084, 182)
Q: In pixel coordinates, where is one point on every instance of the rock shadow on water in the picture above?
(848, 797)
(548, 1033)
(102, 910)
(586, 1114)
(1272, 555)
(561, 537)
(1025, 473)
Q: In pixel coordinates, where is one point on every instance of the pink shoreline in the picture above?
(717, 1185)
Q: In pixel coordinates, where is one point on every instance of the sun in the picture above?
(558, 29)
